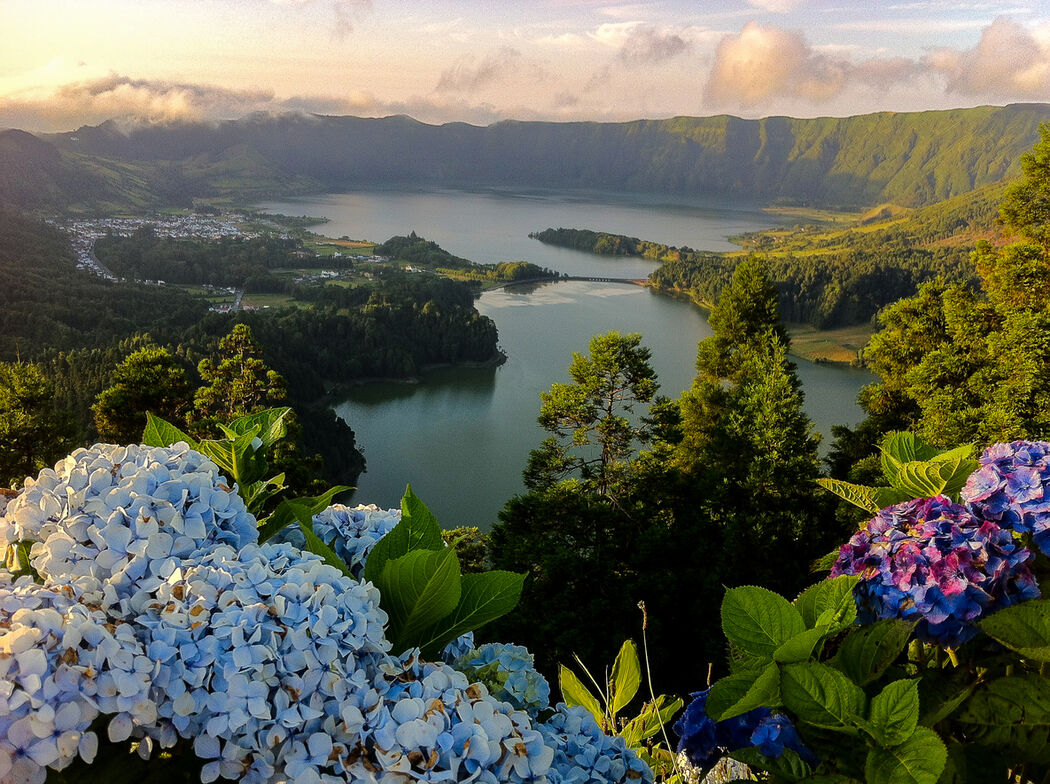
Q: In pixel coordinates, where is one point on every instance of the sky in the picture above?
(68, 63)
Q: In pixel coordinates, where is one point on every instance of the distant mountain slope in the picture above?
(911, 159)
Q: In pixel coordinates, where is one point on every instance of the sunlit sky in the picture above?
(66, 63)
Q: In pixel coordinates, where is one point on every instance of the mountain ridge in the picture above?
(909, 158)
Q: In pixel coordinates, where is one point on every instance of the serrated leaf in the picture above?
(300, 509)
(237, 458)
(891, 496)
(626, 676)
(417, 590)
(270, 425)
(1024, 628)
(416, 511)
(858, 495)
(1011, 713)
(931, 478)
(902, 446)
(829, 603)
(940, 695)
(867, 651)
(919, 760)
(736, 695)
(821, 695)
(484, 597)
(895, 712)
(573, 692)
(418, 530)
(800, 647)
(759, 620)
(160, 432)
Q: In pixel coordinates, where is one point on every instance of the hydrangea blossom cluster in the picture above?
(350, 532)
(933, 561)
(1012, 488)
(160, 609)
(116, 520)
(257, 649)
(61, 664)
(437, 726)
(583, 753)
(704, 741)
(509, 673)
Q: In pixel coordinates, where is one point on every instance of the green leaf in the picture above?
(417, 590)
(821, 695)
(270, 423)
(484, 597)
(626, 676)
(737, 694)
(858, 495)
(159, 432)
(789, 766)
(300, 509)
(237, 458)
(1024, 628)
(257, 494)
(829, 603)
(901, 447)
(890, 496)
(647, 723)
(315, 545)
(414, 509)
(919, 760)
(869, 650)
(930, 478)
(1011, 713)
(16, 560)
(895, 712)
(800, 647)
(758, 620)
(940, 695)
(418, 530)
(573, 692)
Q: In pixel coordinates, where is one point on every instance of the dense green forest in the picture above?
(825, 276)
(420, 252)
(77, 327)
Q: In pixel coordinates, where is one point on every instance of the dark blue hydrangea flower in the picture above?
(933, 561)
(1012, 488)
(704, 741)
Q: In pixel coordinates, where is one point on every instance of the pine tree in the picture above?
(148, 380)
(33, 434)
(238, 381)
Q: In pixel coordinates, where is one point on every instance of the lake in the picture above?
(462, 436)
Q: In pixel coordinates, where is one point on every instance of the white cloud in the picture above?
(764, 62)
(776, 6)
(1009, 61)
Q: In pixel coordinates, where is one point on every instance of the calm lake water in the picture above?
(462, 436)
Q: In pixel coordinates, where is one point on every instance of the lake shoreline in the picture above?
(337, 392)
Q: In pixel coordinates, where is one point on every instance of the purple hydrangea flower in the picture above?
(704, 741)
(934, 561)
(1011, 488)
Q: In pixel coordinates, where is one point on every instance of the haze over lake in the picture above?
(462, 436)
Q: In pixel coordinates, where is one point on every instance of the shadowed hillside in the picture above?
(910, 159)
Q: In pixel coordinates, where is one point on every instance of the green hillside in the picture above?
(907, 159)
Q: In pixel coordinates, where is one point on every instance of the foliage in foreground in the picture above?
(921, 659)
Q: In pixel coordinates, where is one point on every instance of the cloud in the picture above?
(776, 6)
(344, 12)
(469, 74)
(93, 101)
(647, 44)
(764, 62)
(1008, 61)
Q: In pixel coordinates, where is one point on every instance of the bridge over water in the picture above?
(632, 281)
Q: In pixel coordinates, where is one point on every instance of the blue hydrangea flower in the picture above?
(509, 673)
(933, 561)
(258, 651)
(460, 646)
(350, 532)
(114, 520)
(1012, 488)
(583, 753)
(62, 664)
(704, 741)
